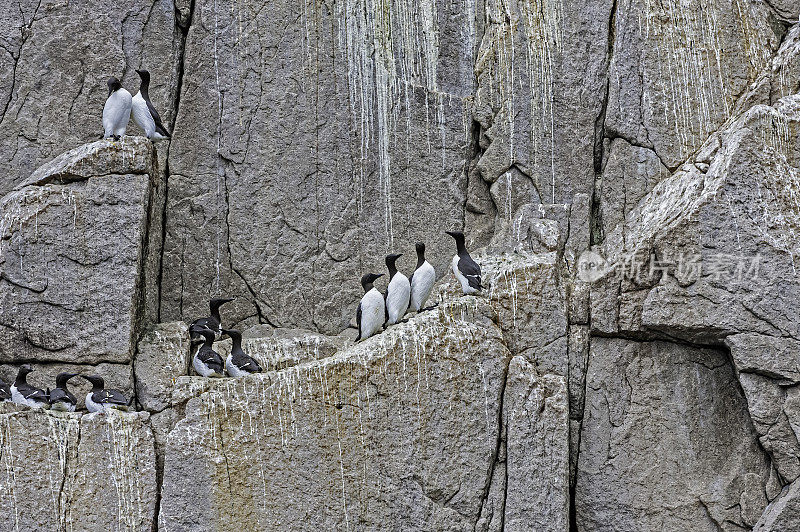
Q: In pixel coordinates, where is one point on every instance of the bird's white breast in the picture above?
(92, 406)
(421, 285)
(398, 297)
(233, 369)
(142, 116)
(373, 313)
(117, 112)
(465, 287)
(202, 369)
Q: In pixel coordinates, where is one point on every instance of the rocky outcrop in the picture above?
(73, 472)
(651, 383)
(74, 242)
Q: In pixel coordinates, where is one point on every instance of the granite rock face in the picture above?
(73, 472)
(666, 423)
(650, 384)
(73, 251)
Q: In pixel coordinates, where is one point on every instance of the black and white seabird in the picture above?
(238, 363)
(465, 269)
(23, 393)
(5, 391)
(207, 362)
(398, 293)
(144, 114)
(213, 322)
(421, 280)
(371, 313)
(61, 398)
(117, 110)
(101, 399)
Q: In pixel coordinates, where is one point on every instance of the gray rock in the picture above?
(73, 472)
(666, 423)
(670, 97)
(383, 102)
(162, 356)
(120, 495)
(400, 429)
(783, 513)
(72, 256)
(536, 418)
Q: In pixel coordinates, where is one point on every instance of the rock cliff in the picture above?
(627, 172)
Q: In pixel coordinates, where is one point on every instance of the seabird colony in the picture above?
(375, 312)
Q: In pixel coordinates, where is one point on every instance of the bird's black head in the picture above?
(97, 382)
(214, 304)
(144, 75)
(459, 238)
(206, 333)
(235, 335)
(420, 253)
(113, 85)
(62, 378)
(368, 280)
(390, 263)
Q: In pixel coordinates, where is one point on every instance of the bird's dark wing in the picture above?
(358, 321)
(157, 119)
(385, 306)
(209, 356)
(470, 269)
(109, 397)
(29, 392)
(244, 362)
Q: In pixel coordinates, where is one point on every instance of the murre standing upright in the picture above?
(421, 280)
(61, 398)
(101, 399)
(398, 293)
(207, 362)
(465, 269)
(144, 114)
(371, 313)
(213, 322)
(117, 110)
(238, 363)
(5, 391)
(23, 393)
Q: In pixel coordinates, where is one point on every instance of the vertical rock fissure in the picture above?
(496, 454)
(595, 221)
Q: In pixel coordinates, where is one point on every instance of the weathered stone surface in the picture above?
(540, 91)
(73, 472)
(629, 173)
(56, 58)
(120, 495)
(670, 84)
(162, 356)
(305, 164)
(117, 376)
(783, 513)
(72, 256)
(699, 256)
(536, 419)
(284, 348)
(400, 429)
(666, 441)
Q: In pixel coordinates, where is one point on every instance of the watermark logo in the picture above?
(718, 267)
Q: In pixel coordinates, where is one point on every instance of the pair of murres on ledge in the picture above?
(120, 105)
(403, 294)
(206, 361)
(100, 399)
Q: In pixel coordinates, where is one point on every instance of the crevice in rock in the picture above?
(595, 222)
(501, 441)
(184, 32)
